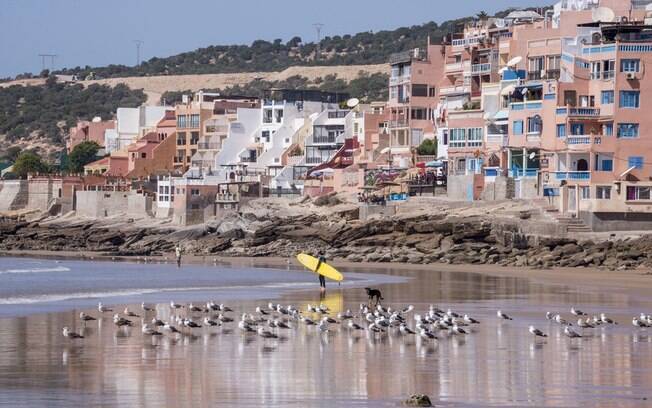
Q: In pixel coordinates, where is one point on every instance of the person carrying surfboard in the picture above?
(322, 280)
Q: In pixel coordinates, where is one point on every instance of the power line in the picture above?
(52, 59)
(318, 27)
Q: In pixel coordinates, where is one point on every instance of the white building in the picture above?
(132, 124)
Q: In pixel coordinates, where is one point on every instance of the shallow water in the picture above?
(498, 364)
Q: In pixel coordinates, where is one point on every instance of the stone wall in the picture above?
(501, 188)
(97, 204)
(139, 205)
(617, 221)
(460, 187)
(14, 195)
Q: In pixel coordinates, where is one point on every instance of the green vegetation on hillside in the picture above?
(367, 87)
(265, 56)
(51, 110)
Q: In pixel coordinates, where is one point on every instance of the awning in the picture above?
(508, 90)
(629, 170)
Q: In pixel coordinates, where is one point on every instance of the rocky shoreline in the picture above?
(414, 239)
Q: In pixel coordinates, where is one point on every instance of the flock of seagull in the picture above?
(268, 321)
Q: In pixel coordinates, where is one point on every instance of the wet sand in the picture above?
(499, 363)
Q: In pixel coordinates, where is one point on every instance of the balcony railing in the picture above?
(398, 123)
(497, 139)
(453, 67)
(517, 106)
(452, 90)
(395, 80)
(523, 173)
(248, 159)
(481, 68)
(314, 160)
(578, 140)
(323, 139)
(534, 75)
(208, 146)
(572, 175)
(584, 111)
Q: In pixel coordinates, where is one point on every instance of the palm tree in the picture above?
(482, 15)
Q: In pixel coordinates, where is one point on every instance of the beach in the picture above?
(499, 363)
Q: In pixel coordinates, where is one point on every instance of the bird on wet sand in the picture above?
(103, 309)
(70, 334)
(571, 333)
(86, 318)
(148, 331)
(536, 332)
(503, 316)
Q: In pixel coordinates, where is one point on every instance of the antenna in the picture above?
(52, 57)
(138, 45)
(318, 27)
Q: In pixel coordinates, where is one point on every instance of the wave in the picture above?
(36, 270)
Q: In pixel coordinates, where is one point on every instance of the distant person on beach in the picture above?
(177, 251)
(322, 280)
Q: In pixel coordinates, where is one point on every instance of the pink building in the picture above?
(86, 131)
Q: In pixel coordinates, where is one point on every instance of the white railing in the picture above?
(457, 89)
(455, 66)
(480, 68)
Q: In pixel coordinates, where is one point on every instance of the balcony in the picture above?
(583, 112)
(479, 69)
(572, 175)
(518, 106)
(208, 146)
(455, 90)
(534, 75)
(395, 80)
(398, 123)
(314, 160)
(324, 139)
(518, 173)
(227, 198)
(497, 139)
(407, 56)
(453, 67)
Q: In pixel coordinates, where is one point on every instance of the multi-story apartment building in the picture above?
(413, 96)
(191, 116)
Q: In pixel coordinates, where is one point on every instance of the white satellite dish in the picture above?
(514, 61)
(502, 70)
(532, 155)
(603, 14)
(353, 102)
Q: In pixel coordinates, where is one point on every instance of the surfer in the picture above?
(322, 280)
(177, 251)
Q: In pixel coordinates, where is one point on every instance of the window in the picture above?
(596, 66)
(475, 137)
(607, 97)
(419, 90)
(609, 69)
(393, 92)
(635, 161)
(630, 65)
(585, 192)
(577, 129)
(267, 116)
(181, 139)
(534, 124)
(603, 192)
(608, 129)
(561, 130)
(517, 127)
(638, 193)
(457, 137)
(535, 67)
(143, 155)
(182, 121)
(606, 165)
(628, 130)
(419, 113)
(265, 136)
(194, 121)
(629, 99)
(279, 115)
(554, 62)
(194, 138)
(194, 192)
(570, 98)
(587, 101)
(432, 92)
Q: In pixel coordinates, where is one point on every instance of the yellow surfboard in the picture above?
(325, 269)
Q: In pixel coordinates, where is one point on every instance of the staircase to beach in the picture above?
(572, 224)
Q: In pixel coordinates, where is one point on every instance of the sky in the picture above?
(102, 32)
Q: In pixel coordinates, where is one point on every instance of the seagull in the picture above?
(407, 309)
(146, 308)
(224, 319)
(260, 311)
(71, 335)
(175, 305)
(373, 328)
(266, 334)
(605, 319)
(577, 312)
(281, 324)
(470, 320)
(86, 318)
(157, 322)
(405, 330)
(323, 325)
(550, 315)
(242, 325)
(209, 322)
(571, 333)
(639, 323)
(503, 315)
(121, 321)
(280, 309)
(170, 328)
(536, 332)
(452, 314)
(426, 335)
(345, 315)
(271, 307)
(354, 326)
(311, 309)
(148, 331)
(194, 308)
(308, 321)
(585, 324)
(103, 309)
(562, 321)
(129, 313)
(225, 308)
(329, 320)
(190, 323)
(458, 330)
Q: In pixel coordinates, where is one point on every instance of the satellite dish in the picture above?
(514, 61)
(502, 70)
(603, 14)
(353, 102)
(532, 155)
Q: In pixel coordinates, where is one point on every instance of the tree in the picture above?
(428, 148)
(28, 162)
(12, 153)
(482, 15)
(81, 155)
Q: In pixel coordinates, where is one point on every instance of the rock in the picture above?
(418, 400)
(327, 199)
(430, 245)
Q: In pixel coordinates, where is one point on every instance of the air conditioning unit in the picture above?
(630, 76)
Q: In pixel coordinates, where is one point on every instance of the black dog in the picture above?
(374, 293)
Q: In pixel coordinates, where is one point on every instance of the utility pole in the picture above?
(318, 27)
(138, 45)
(52, 59)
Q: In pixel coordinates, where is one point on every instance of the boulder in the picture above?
(418, 400)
